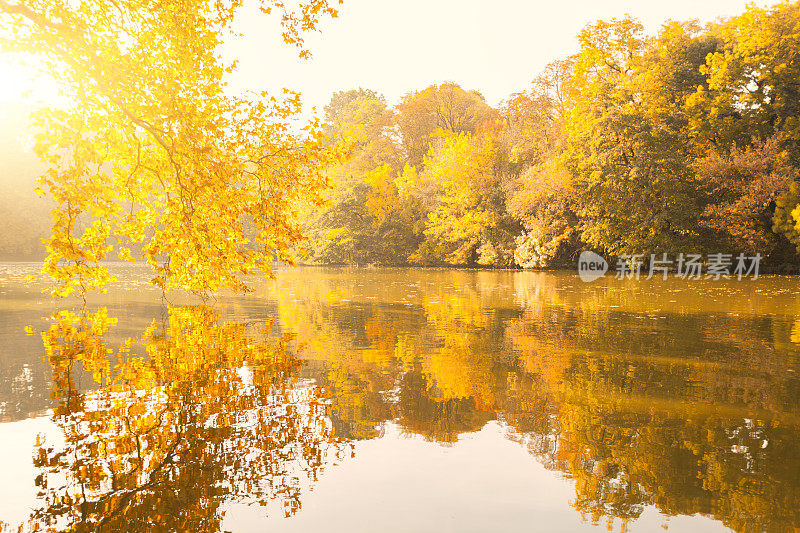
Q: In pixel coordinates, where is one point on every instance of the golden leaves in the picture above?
(155, 154)
(198, 412)
(302, 19)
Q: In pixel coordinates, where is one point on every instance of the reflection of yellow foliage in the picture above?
(77, 338)
(635, 416)
(540, 355)
(456, 309)
(212, 414)
(795, 335)
(381, 350)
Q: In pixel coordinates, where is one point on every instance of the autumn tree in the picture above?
(534, 118)
(752, 80)
(363, 219)
(627, 148)
(420, 114)
(749, 107)
(744, 188)
(467, 222)
(152, 150)
(537, 184)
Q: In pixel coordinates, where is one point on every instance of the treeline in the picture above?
(686, 141)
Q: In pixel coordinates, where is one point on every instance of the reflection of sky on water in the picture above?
(485, 482)
(17, 444)
(400, 482)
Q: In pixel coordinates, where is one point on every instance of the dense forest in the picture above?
(685, 141)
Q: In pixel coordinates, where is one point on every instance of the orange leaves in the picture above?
(383, 200)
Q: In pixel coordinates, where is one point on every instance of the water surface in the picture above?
(403, 399)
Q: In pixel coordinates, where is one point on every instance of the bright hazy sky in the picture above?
(496, 47)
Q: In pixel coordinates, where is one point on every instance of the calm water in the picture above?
(397, 400)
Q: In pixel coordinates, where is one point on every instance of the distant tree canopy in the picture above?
(448, 107)
(682, 141)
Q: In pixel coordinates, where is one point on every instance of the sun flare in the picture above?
(22, 80)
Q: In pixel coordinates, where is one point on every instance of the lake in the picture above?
(402, 399)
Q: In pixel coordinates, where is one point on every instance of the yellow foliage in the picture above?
(153, 151)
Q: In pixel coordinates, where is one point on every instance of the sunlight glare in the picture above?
(23, 81)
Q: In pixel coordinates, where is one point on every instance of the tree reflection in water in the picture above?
(696, 413)
(196, 414)
(691, 413)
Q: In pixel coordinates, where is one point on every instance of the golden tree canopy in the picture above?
(153, 156)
